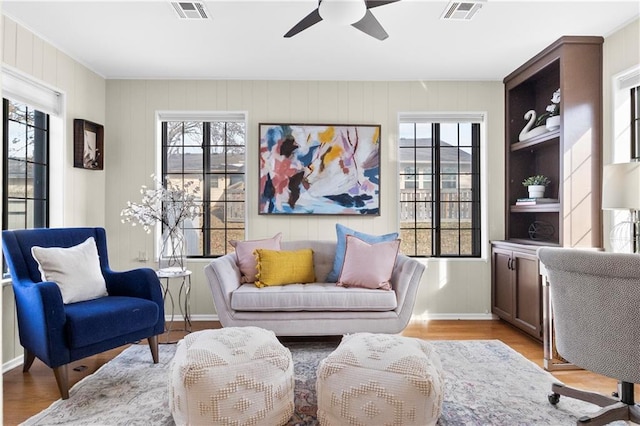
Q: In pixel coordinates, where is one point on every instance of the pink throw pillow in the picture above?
(245, 258)
(368, 265)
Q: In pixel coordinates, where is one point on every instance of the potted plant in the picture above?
(536, 185)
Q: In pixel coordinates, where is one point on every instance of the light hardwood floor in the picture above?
(26, 394)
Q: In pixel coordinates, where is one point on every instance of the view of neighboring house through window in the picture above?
(26, 167)
(439, 188)
(212, 155)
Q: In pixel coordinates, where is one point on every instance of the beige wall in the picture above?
(450, 287)
(82, 191)
(621, 53)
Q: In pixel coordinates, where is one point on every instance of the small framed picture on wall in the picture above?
(88, 145)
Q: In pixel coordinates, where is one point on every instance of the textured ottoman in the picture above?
(379, 379)
(231, 376)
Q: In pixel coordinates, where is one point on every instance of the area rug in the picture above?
(487, 383)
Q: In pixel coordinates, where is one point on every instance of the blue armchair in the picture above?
(59, 333)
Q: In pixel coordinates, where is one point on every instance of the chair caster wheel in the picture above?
(554, 398)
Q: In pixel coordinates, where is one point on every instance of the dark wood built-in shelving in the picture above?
(570, 156)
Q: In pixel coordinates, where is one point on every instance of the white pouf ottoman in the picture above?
(380, 379)
(231, 376)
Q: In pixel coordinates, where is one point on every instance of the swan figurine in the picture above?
(527, 132)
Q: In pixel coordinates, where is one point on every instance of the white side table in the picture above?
(184, 278)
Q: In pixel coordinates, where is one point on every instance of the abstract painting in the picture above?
(319, 169)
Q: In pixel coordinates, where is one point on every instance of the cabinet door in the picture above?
(501, 284)
(528, 294)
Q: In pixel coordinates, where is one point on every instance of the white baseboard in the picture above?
(11, 364)
(469, 317)
(194, 318)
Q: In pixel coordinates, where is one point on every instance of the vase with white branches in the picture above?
(170, 205)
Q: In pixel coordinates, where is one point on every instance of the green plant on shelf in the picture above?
(536, 180)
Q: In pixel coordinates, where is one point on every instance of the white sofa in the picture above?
(314, 309)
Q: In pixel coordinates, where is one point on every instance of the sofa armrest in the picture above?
(223, 275)
(405, 281)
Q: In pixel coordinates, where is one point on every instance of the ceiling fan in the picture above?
(346, 12)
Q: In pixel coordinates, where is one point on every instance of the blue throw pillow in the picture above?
(342, 232)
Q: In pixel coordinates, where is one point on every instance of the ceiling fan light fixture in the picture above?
(342, 12)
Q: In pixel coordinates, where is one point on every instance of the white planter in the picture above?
(536, 191)
(553, 123)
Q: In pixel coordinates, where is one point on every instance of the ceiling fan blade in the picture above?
(309, 20)
(370, 25)
(375, 3)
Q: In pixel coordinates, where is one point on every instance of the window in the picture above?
(210, 153)
(26, 167)
(439, 187)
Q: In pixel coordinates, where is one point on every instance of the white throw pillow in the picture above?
(76, 270)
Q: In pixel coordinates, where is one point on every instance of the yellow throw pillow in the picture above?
(284, 267)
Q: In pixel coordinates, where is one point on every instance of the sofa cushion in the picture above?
(311, 297)
(368, 265)
(341, 245)
(284, 267)
(245, 257)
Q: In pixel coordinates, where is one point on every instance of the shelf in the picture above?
(536, 141)
(538, 208)
(530, 242)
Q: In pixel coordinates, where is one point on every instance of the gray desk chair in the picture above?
(595, 297)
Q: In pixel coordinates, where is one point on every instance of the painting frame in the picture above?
(319, 169)
(88, 145)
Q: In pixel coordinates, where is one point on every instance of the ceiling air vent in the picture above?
(190, 10)
(461, 10)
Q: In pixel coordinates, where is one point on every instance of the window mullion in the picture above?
(635, 123)
(225, 190)
(206, 190)
(475, 189)
(416, 233)
(436, 185)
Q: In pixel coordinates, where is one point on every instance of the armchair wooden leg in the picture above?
(29, 357)
(153, 345)
(62, 378)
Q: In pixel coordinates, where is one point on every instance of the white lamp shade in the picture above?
(342, 12)
(621, 186)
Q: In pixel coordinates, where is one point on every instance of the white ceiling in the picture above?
(244, 39)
